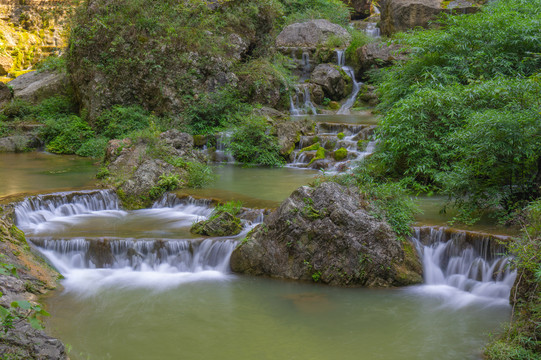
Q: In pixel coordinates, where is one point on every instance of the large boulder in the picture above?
(310, 34)
(376, 55)
(289, 134)
(5, 94)
(402, 15)
(335, 82)
(326, 234)
(36, 86)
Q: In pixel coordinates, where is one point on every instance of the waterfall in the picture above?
(308, 107)
(345, 109)
(372, 30)
(464, 267)
(306, 63)
(308, 103)
(223, 155)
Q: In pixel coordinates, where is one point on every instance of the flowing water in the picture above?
(138, 285)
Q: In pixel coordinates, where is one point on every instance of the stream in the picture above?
(138, 285)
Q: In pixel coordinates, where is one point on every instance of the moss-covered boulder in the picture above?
(223, 224)
(340, 154)
(326, 234)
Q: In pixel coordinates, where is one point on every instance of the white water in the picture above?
(223, 154)
(345, 109)
(459, 273)
(88, 240)
(372, 30)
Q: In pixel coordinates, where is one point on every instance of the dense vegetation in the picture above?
(463, 115)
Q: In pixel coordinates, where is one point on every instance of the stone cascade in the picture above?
(345, 109)
(333, 146)
(474, 265)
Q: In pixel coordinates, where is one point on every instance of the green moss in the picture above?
(340, 136)
(340, 154)
(200, 140)
(361, 144)
(334, 105)
(320, 155)
(312, 147)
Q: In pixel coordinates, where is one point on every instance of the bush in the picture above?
(199, 174)
(232, 207)
(120, 121)
(251, 143)
(67, 134)
(303, 10)
(165, 183)
(93, 148)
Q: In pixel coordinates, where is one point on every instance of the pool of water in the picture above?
(41, 172)
(235, 317)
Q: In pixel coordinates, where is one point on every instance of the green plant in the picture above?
(252, 143)
(199, 174)
(232, 207)
(52, 63)
(20, 311)
(165, 183)
(66, 135)
(316, 276)
(119, 121)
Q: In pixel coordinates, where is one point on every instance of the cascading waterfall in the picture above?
(372, 30)
(463, 267)
(163, 254)
(345, 109)
(222, 154)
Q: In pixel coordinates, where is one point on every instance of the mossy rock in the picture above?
(340, 154)
(340, 135)
(200, 140)
(224, 224)
(320, 155)
(362, 144)
(312, 147)
(334, 105)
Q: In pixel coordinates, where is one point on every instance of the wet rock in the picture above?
(402, 15)
(224, 224)
(289, 134)
(335, 83)
(18, 143)
(37, 86)
(182, 143)
(310, 34)
(326, 234)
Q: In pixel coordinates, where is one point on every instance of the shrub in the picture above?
(120, 121)
(302, 10)
(199, 174)
(94, 147)
(232, 207)
(165, 183)
(252, 143)
(66, 134)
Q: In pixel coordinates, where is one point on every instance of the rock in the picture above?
(18, 143)
(146, 176)
(36, 86)
(200, 140)
(335, 83)
(224, 224)
(310, 34)
(361, 8)
(115, 147)
(402, 15)
(5, 94)
(6, 62)
(377, 55)
(340, 154)
(326, 234)
(270, 113)
(289, 134)
(182, 143)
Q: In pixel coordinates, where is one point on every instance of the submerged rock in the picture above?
(224, 224)
(326, 234)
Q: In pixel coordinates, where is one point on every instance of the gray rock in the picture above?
(335, 83)
(181, 142)
(147, 176)
(289, 134)
(36, 86)
(5, 94)
(326, 234)
(310, 34)
(377, 55)
(361, 8)
(402, 15)
(18, 143)
(224, 224)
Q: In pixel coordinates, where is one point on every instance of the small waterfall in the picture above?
(372, 30)
(308, 103)
(345, 109)
(222, 153)
(42, 208)
(306, 63)
(464, 267)
(308, 107)
(139, 255)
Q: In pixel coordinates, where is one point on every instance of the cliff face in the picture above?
(30, 30)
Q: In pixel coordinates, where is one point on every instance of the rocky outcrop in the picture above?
(135, 166)
(31, 31)
(326, 234)
(5, 94)
(224, 224)
(36, 86)
(34, 278)
(377, 55)
(310, 34)
(402, 15)
(333, 80)
(18, 143)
